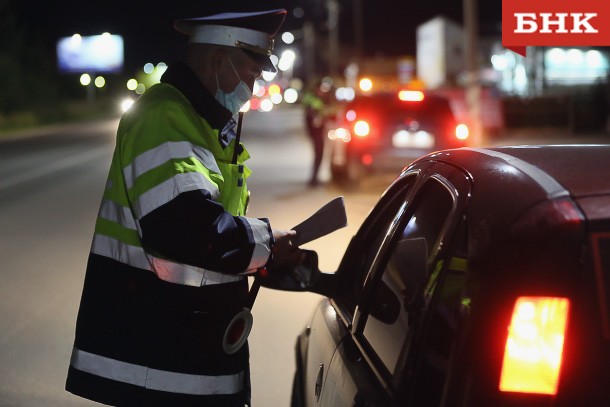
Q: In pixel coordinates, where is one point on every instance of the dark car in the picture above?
(480, 278)
(381, 131)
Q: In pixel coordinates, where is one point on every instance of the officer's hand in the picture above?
(279, 234)
(285, 254)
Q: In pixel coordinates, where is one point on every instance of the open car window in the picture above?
(402, 274)
(364, 246)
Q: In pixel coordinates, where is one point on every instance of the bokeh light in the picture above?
(269, 76)
(288, 37)
(85, 79)
(100, 82)
(277, 98)
(274, 89)
(365, 84)
(132, 84)
(140, 89)
(126, 104)
(291, 95)
(266, 105)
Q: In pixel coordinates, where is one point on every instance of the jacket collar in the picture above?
(182, 77)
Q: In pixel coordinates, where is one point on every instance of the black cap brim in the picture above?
(264, 60)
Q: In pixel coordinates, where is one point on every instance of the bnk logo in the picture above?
(554, 23)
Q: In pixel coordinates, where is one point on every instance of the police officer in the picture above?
(316, 102)
(172, 246)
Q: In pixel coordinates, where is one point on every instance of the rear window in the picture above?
(429, 111)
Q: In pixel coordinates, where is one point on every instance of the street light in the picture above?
(288, 37)
(473, 89)
(100, 82)
(333, 36)
(286, 61)
(85, 79)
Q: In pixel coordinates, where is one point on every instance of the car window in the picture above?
(449, 306)
(364, 246)
(398, 298)
(431, 112)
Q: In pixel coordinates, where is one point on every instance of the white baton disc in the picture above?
(237, 332)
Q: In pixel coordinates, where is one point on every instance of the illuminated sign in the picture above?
(95, 54)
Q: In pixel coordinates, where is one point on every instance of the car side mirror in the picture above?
(305, 276)
(385, 306)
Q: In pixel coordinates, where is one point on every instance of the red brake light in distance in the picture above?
(534, 347)
(367, 159)
(411, 95)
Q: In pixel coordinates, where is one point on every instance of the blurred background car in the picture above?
(382, 131)
(480, 278)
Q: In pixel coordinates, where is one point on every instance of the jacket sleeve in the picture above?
(194, 229)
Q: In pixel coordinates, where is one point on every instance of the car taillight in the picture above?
(534, 347)
(362, 128)
(461, 131)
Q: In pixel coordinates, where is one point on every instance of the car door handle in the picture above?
(319, 381)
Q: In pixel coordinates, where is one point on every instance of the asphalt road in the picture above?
(51, 181)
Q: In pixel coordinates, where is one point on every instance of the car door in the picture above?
(332, 320)
(370, 365)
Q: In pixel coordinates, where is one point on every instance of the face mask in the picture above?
(235, 100)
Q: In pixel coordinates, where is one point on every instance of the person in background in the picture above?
(172, 246)
(318, 109)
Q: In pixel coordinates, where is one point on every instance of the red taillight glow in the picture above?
(461, 131)
(534, 347)
(367, 159)
(411, 95)
(362, 128)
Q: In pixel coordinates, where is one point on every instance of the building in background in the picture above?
(558, 86)
(440, 52)
(545, 68)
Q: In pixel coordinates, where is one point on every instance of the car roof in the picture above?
(584, 170)
(575, 170)
(509, 181)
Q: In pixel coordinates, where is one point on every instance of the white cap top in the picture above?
(252, 32)
(255, 41)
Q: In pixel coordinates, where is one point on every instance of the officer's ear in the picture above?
(200, 57)
(219, 58)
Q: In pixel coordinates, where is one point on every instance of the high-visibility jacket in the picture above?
(171, 248)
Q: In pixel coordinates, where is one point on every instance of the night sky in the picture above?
(146, 26)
